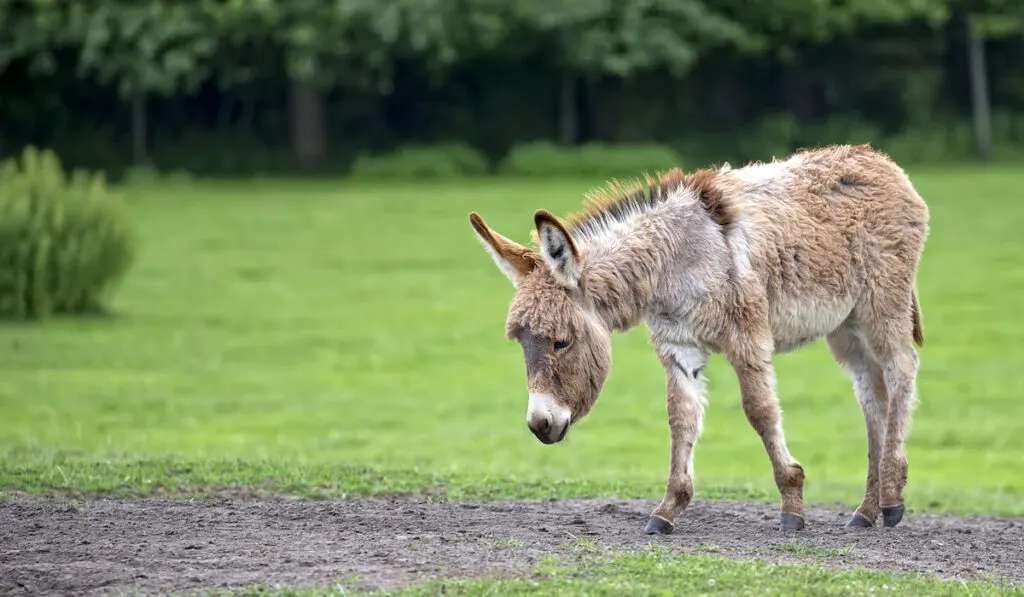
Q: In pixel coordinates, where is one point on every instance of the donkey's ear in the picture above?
(513, 259)
(557, 249)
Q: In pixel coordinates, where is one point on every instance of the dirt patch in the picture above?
(159, 545)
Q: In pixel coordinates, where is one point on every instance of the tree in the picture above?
(986, 20)
(142, 48)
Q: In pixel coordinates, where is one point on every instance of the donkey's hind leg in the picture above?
(853, 355)
(889, 334)
(756, 376)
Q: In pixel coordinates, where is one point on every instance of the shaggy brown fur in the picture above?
(748, 263)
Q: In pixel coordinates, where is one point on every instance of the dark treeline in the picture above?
(239, 86)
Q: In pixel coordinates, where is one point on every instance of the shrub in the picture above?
(147, 175)
(595, 160)
(450, 160)
(951, 141)
(842, 129)
(228, 152)
(64, 241)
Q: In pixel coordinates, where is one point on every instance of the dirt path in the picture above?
(154, 545)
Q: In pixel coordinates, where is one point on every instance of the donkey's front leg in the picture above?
(761, 405)
(685, 389)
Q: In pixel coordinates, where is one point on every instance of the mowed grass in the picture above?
(334, 338)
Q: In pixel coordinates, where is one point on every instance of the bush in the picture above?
(839, 130)
(951, 141)
(64, 241)
(147, 175)
(451, 160)
(596, 160)
(228, 152)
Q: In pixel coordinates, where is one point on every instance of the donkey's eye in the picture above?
(561, 345)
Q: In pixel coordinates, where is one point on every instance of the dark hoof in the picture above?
(791, 522)
(892, 515)
(658, 526)
(859, 521)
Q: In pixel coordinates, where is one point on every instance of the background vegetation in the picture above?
(232, 87)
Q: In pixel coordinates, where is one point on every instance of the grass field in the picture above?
(329, 338)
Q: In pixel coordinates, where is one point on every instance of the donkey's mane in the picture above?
(618, 200)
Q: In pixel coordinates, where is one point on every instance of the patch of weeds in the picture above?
(343, 587)
(511, 543)
(549, 565)
(802, 549)
(709, 548)
(261, 591)
(584, 546)
(72, 506)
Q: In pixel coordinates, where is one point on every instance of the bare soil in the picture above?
(103, 546)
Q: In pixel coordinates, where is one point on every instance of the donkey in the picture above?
(747, 263)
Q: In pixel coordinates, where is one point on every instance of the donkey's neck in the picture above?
(625, 258)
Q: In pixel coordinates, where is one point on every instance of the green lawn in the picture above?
(331, 338)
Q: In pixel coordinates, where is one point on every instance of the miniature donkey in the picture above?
(748, 263)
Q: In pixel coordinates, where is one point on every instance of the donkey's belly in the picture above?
(797, 322)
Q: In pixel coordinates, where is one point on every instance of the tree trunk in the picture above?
(308, 129)
(139, 133)
(568, 118)
(979, 92)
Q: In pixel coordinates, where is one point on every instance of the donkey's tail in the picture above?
(916, 315)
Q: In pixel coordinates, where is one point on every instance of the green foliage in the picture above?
(137, 47)
(619, 38)
(142, 47)
(228, 152)
(148, 175)
(776, 136)
(594, 160)
(64, 241)
(440, 161)
(158, 46)
(946, 142)
(361, 49)
(995, 19)
(778, 26)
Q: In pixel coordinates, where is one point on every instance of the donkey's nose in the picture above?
(548, 420)
(540, 425)
(546, 432)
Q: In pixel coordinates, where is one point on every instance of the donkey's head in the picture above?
(566, 348)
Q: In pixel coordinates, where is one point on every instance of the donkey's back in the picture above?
(832, 235)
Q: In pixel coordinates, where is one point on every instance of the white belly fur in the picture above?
(797, 322)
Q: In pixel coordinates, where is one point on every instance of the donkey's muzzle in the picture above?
(547, 420)
(549, 434)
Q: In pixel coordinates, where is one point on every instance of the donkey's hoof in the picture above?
(859, 521)
(791, 522)
(658, 526)
(892, 515)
